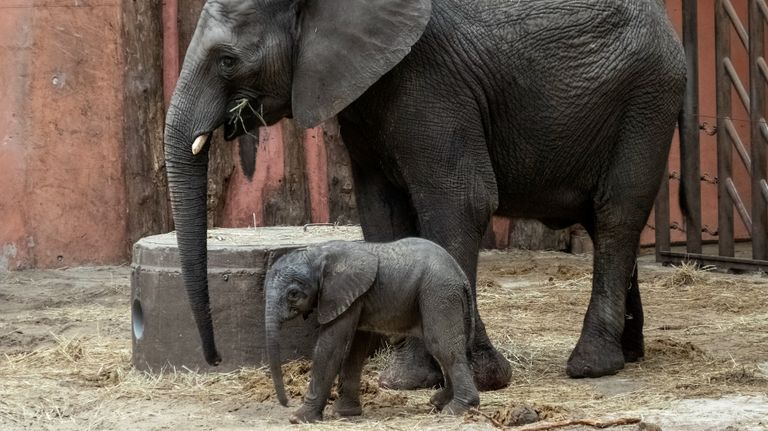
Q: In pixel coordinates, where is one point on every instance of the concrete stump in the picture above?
(164, 333)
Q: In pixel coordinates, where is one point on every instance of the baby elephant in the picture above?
(407, 287)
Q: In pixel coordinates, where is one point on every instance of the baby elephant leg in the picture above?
(459, 393)
(333, 344)
(465, 395)
(444, 336)
(348, 403)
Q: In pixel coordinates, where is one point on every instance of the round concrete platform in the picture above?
(164, 333)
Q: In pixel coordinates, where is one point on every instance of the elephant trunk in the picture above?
(187, 181)
(272, 326)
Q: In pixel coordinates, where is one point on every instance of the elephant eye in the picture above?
(293, 295)
(227, 62)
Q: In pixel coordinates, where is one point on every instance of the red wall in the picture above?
(62, 187)
(61, 181)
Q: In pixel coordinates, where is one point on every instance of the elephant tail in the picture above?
(469, 318)
(682, 197)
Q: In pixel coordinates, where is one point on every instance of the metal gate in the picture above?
(748, 205)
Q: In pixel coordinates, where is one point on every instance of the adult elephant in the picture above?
(560, 110)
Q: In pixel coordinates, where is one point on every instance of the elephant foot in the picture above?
(492, 371)
(412, 368)
(594, 358)
(348, 407)
(306, 414)
(441, 398)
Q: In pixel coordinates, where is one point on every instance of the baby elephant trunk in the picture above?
(273, 352)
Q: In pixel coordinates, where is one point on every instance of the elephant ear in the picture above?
(346, 275)
(344, 46)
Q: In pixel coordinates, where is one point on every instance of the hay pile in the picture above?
(705, 337)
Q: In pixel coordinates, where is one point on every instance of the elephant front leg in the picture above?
(333, 345)
(386, 215)
(457, 222)
(348, 403)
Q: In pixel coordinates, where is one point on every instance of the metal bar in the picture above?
(738, 144)
(764, 189)
(724, 202)
(757, 97)
(764, 130)
(763, 67)
(740, 207)
(740, 89)
(690, 158)
(719, 261)
(661, 217)
(763, 8)
(737, 24)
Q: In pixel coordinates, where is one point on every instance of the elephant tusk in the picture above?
(199, 143)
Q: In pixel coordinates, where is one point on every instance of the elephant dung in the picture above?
(163, 331)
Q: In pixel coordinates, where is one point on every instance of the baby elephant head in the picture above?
(329, 277)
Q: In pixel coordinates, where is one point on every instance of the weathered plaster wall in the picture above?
(61, 181)
(62, 187)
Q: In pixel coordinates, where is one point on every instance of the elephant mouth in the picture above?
(244, 115)
(242, 118)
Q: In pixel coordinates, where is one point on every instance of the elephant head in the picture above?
(253, 62)
(328, 278)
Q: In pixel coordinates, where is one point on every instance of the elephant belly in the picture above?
(395, 330)
(562, 206)
(390, 314)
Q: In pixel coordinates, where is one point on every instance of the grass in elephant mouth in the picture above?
(237, 115)
(705, 337)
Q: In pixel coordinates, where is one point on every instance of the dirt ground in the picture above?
(65, 357)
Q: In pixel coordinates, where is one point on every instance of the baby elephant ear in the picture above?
(346, 275)
(344, 46)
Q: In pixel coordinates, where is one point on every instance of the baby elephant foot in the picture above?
(441, 398)
(306, 414)
(348, 407)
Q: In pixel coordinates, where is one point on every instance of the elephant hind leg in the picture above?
(447, 342)
(599, 349)
(632, 338)
(632, 343)
(622, 203)
(460, 393)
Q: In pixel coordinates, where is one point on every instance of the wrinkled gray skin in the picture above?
(560, 110)
(407, 287)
